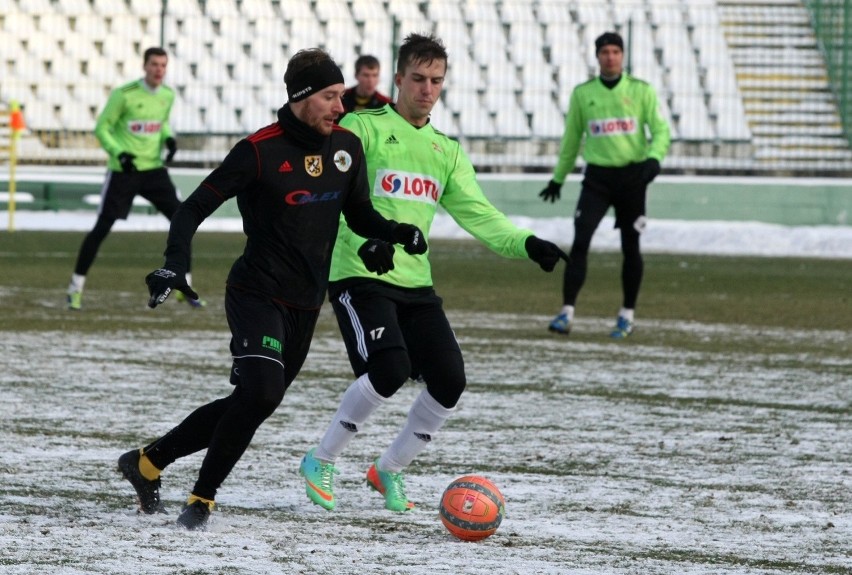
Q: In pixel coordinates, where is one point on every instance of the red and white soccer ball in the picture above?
(472, 508)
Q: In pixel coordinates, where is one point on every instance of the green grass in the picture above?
(789, 293)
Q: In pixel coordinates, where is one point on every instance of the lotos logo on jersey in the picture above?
(407, 186)
(612, 126)
(141, 127)
(302, 197)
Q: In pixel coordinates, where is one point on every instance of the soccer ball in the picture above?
(472, 508)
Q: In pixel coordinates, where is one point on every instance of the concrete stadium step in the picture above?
(758, 107)
(792, 96)
(781, 129)
(794, 118)
(791, 57)
(771, 29)
(781, 84)
(783, 71)
(783, 80)
(775, 42)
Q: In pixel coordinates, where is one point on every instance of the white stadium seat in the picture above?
(110, 8)
(40, 115)
(444, 11)
(692, 117)
(515, 11)
(548, 121)
(76, 116)
(256, 117)
(512, 63)
(145, 8)
(186, 119)
(442, 120)
(257, 9)
(221, 9)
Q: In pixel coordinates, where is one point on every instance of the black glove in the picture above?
(410, 238)
(650, 170)
(171, 145)
(161, 282)
(545, 254)
(126, 161)
(551, 192)
(377, 256)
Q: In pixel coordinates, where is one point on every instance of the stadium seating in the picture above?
(513, 63)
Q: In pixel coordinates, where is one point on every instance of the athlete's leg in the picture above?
(191, 435)
(380, 370)
(632, 268)
(262, 389)
(91, 244)
(434, 348)
(116, 199)
(264, 336)
(591, 207)
(630, 219)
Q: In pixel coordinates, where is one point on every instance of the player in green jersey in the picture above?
(609, 115)
(394, 326)
(132, 128)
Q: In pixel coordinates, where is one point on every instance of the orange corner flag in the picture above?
(16, 117)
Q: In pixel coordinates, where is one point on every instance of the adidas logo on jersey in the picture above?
(285, 167)
(392, 140)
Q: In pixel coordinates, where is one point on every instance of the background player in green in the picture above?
(609, 115)
(132, 128)
(394, 327)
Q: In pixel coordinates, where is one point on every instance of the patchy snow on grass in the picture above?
(661, 236)
(614, 457)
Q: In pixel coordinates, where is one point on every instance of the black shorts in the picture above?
(621, 188)
(374, 316)
(264, 328)
(120, 188)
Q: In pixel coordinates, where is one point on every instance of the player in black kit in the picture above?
(292, 180)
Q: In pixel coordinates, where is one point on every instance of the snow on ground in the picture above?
(614, 459)
(661, 236)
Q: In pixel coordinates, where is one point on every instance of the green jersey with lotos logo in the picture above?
(610, 123)
(412, 171)
(135, 120)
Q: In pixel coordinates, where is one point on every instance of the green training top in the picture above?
(136, 120)
(611, 125)
(412, 171)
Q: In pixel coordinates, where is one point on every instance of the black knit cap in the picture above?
(313, 79)
(607, 39)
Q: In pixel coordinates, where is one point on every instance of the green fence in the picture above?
(832, 24)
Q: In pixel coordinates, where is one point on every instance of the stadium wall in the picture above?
(785, 201)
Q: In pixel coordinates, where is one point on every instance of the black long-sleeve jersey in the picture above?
(290, 197)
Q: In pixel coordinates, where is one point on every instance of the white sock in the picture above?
(77, 283)
(189, 279)
(425, 418)
(626, 313)
(568, 310)
(359, 402)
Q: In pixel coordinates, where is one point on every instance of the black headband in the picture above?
(313, 79)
